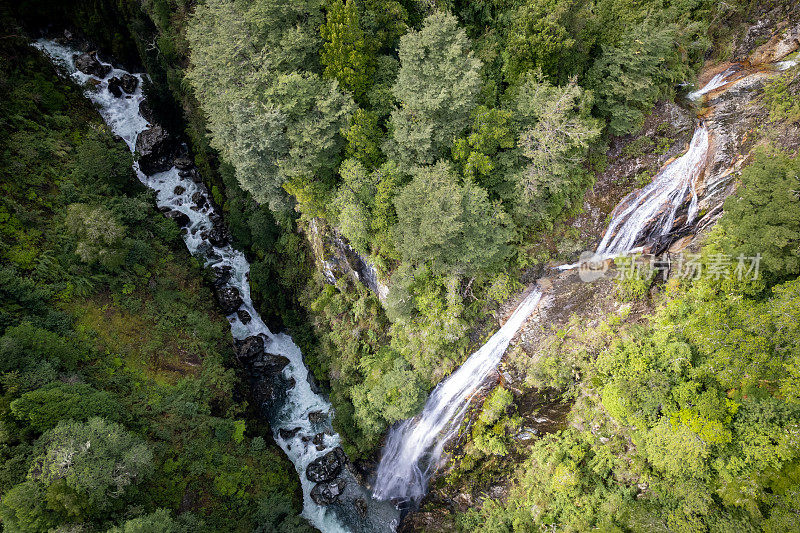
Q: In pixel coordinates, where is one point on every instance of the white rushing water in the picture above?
(124, 118)
(714, 83)
(655, 207)
(414, 447)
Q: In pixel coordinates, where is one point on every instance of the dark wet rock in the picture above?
(244, 316)
(182, 219)
(129, 83)
(269, 393)
(164, 209)
(229, 299)
(146, 111)
(318, 439)
(290, 383)
(287, 434)
(328, 493)
(361, 507)
(156, 150)
(326, 467)
(115, 86)
(191, 174)
(217, 236)
(222, 275)
(179, 189)
(199, 199)
(317, 417)
(183, 162)
(270, 364)
(250, 348)
(88, 64)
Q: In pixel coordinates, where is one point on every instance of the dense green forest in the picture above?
(110, 337)
(448, 143)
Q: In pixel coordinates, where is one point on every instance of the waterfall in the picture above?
(715, 83)
(178, 193)
(655, 207)
(414, 447)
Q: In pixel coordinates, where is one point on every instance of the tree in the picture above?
(390, 392)
(86, 466)
(364, 138)
(270, 114)
(453, 227)
(630, 76)
(344, 52)
(763, 217)
(99, 235)
(437, 87)
(547, 35)
(556, 131)
(159, 521)
(44, 408)
(491, 132)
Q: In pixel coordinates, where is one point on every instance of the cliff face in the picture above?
(336, 259)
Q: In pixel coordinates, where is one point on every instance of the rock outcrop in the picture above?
(89, 64)
(156, 149)
(229, 299)
(327, 467)
(328, 493)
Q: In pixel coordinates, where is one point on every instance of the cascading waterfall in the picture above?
(176, 193)
(655, 207)
(714, 83)
(414, 447)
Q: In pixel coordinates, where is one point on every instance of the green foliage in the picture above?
(548, 35)
(88, 467)
(99, 235)
(454, 228)
(630, 76)
(44, 408)
(763, 217)
(123, 330)
(634, 278)
(437, 87)
(344, 52)
(390, 392)
(159, 521)
(364, 138)
(556, 133)
(780, 95)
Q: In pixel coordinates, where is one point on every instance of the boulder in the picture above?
(179, 189)
(183, 162)
(326, 467)
(317, 417)
(272, 364)
(328, 493)
(244, 316)
(319, 441)
(156, 150)
(129, 83)
(88, 64)
(229, 299)
(182, 219)
(221, 275)
(146, 111)
(217, 236)
(287, 434)
(191, 174)
(250, 348)
(199, 199)
(361, 507)
(115, 86)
